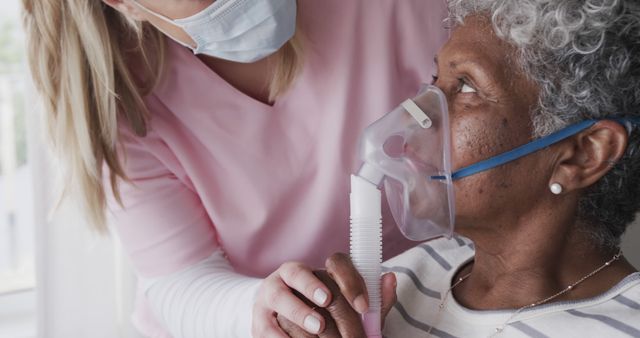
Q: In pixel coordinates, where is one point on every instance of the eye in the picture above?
(465, 88)
(434, 79)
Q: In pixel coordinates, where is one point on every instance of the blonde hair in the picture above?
(287, 65)
(80, 52)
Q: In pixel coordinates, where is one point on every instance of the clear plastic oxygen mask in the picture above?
(409, 150)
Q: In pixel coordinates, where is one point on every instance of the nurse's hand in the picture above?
(346, 285)
(276, 297)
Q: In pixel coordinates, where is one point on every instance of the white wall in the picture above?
(86, 289)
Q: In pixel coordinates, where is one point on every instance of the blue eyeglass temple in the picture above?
(533, 146)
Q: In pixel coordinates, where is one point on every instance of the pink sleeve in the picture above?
(163, 225)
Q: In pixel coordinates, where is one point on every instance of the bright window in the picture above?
(58, 278)
(17, 241)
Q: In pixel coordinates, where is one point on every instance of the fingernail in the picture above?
(320, 296)
(312, 324)
(360, 304)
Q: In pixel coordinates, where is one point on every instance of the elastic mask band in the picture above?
(533, 146)
(157, 15)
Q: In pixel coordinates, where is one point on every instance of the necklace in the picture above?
(510, 320)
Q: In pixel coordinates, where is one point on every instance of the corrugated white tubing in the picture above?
(366, 245)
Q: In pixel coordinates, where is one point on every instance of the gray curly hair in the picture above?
(585, 57)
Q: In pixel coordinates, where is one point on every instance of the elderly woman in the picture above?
(540, 255)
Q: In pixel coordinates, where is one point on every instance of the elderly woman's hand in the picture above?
(347, 286)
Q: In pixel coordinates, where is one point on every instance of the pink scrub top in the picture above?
(270, 184)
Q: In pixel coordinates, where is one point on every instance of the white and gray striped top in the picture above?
(424, 276)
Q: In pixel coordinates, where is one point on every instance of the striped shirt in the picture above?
(425, 274)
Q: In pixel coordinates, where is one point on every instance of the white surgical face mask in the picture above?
(238, 30)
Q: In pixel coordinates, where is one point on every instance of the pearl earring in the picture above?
(556, 188)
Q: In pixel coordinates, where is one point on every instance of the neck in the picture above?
(530, 262)
(252, 79)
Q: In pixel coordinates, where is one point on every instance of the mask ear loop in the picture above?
(157, 15)
(165, 19)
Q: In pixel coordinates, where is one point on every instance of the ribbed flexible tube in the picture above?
(366, 245)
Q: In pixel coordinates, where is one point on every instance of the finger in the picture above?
(351, 284)
(292, 329)
(348, 322)
(265, 325)
(330, 327)
(302, 279)
(389, 296)
(282, 301)
(273, 332)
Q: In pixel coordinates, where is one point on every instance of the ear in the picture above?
(128, 8)
(586, 157)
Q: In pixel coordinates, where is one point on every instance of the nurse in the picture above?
(216, 139)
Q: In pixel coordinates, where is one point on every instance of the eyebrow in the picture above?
(477, 66)
(455, 64)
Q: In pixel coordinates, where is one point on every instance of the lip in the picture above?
(417, 164)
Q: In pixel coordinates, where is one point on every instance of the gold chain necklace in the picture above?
(510, 320)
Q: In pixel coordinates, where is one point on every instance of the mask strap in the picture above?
(536, 145)
(628, 122)
(522, 150)
(167, 20)
(157, 15)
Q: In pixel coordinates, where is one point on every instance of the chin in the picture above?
(466, 229)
